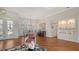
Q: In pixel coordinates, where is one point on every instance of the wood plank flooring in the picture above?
(54, 44)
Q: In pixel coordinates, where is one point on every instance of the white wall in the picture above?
(70, 35)
(66, 15)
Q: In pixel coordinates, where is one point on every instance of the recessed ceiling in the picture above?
(36, 12)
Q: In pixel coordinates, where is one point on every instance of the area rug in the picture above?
(24, 48)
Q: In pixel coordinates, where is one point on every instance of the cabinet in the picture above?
(8, 29)
(67, 30)
(42, 33)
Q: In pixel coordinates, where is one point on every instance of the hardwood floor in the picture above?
(54, 44)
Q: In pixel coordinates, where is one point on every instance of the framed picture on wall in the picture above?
(42, 26)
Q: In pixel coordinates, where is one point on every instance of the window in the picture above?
(10, 27)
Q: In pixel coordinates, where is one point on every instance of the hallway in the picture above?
(54, 44)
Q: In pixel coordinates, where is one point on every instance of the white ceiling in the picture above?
(36, 12)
